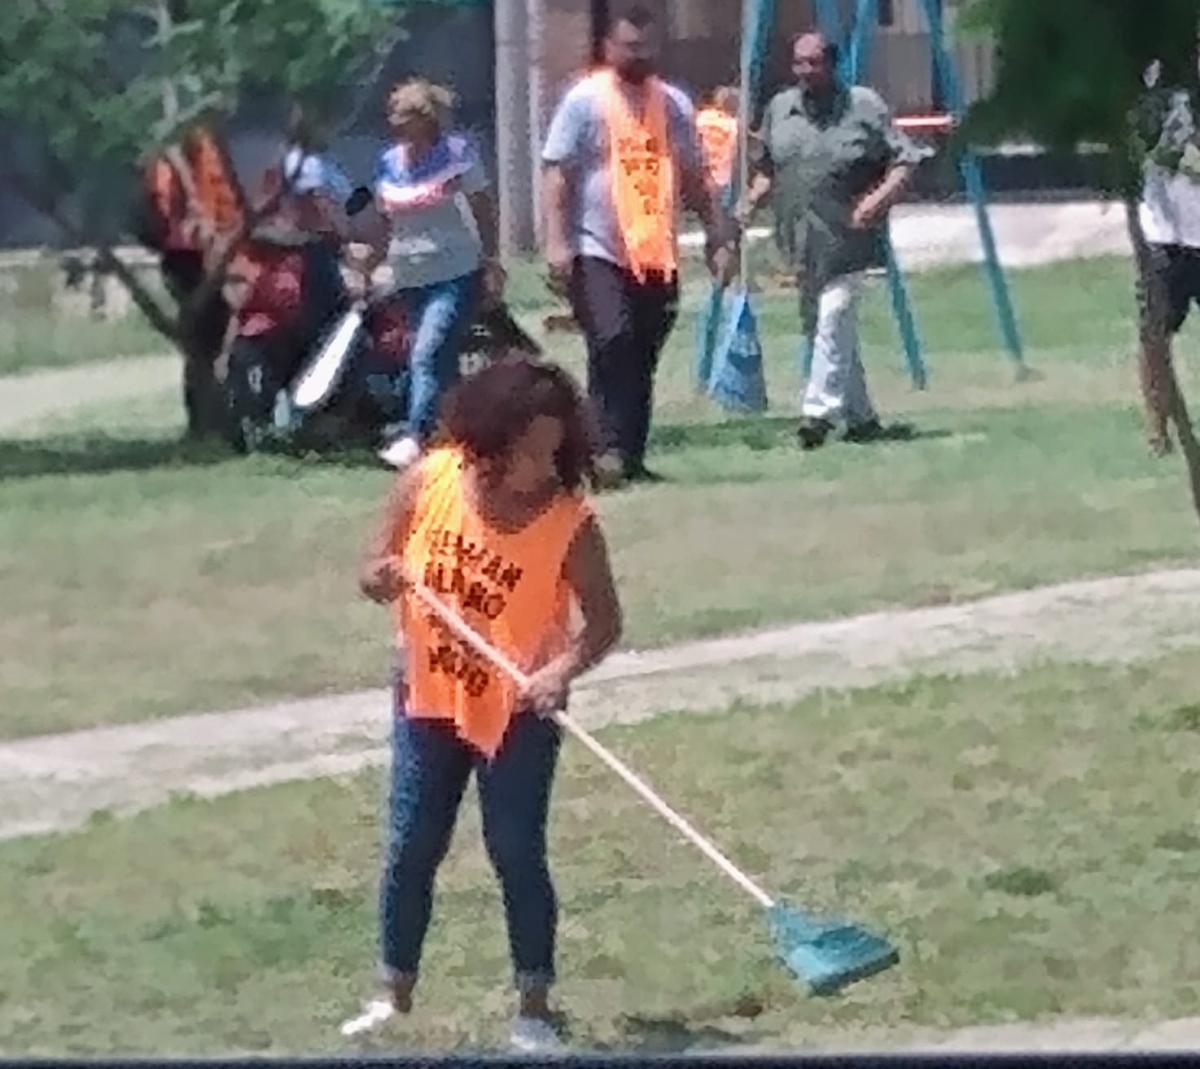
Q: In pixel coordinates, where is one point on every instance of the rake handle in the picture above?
(648, 794)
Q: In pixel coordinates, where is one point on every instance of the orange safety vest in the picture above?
(218, 195)
(718, 139)
(508, 587)
(217, 190)
(642, 172)
(167, 208)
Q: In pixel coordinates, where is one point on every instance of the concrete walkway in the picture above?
(1027, 234)
(56, 782)
(27, 399)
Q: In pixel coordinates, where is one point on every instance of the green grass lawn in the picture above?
(34, 336)
(951, 308)
(1041, 862)
(142, 578)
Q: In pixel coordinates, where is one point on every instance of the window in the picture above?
(887, 13)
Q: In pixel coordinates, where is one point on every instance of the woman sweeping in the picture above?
(493, 520)
(438, 235)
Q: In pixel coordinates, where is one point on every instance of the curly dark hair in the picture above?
(487, 412)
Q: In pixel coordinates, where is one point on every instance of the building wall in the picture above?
(564, 51)
(701, 48)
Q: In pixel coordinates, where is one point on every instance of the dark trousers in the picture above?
(430, 769)
(626, 323)
(1179, 268)
(325, 295)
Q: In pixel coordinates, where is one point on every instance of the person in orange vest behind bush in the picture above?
(185, 228)
(717, 125)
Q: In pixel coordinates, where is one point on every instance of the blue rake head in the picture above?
(825, 953)
(736, 381)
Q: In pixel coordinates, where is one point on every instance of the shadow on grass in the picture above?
(673, 1035)
(100, 454)
(763, 434)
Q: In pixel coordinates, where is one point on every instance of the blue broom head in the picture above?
(826, 953)
(738, 382)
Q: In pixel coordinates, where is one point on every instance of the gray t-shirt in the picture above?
(434, 237)
(578, 142)
(1170, 206)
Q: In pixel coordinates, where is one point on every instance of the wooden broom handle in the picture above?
(468, 635)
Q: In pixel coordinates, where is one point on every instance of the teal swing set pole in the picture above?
(866, 16)
(758, 17)
(865, 20)
(830, 21)
(973, 181)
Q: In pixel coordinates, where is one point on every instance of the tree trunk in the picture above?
(1155, 373)
(202, 341)
(1162, 396)
(200, 337)
(203, 395)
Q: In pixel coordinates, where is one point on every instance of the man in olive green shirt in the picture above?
(834, 164)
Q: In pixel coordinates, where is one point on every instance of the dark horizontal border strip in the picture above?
(930, 1060)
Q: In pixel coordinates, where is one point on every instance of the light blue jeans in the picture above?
(441, 316)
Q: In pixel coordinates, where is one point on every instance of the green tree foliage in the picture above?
(1073, 73)
(101, 84)
(90, 90)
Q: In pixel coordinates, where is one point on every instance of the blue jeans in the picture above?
(441, 316)
(430, 769)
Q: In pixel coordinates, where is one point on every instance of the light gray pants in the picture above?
(837, 386)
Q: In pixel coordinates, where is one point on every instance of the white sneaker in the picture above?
(532, 1035)
(401, 454)
(374, 1014)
